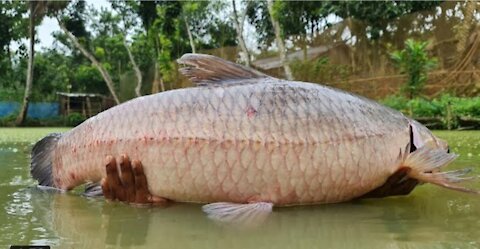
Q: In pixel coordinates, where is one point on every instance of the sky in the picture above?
(50, 25)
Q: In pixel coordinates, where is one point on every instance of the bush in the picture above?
(8, 121)
(424, 108)
(396, 102)
(415, 62)
(74, 119)
(446, 108)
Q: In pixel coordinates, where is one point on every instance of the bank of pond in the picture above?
(444, 112)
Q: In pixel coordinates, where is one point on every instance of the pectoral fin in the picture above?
(425, 164)
(250, 214)
(93, 190)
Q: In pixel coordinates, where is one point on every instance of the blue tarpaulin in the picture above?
(8, 108)
(35, 110)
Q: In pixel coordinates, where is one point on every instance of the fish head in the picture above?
(427, 138)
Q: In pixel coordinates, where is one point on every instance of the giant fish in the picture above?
(243, 142)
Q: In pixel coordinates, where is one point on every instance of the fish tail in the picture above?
(41, 165)
(425, 164)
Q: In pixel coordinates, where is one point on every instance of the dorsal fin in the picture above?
(203, 69)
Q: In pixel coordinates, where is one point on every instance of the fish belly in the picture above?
(283, 174)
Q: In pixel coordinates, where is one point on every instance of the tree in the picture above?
(127, 12)
(278, 38)
(298, 18)
(414, 61)
(14, 27)
(377, 14)
(28, 86)
(148, 13)
(77, 22)
(37, 12)
(188, 9)
(239, 24)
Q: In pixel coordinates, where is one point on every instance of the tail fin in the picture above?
(425, 164)
(41, 165)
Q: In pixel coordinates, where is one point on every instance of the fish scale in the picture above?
(246, 137)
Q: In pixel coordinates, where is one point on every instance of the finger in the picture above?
(113, 180)
(107, 181)
(106, 190)
(128, 180)
(141, 188)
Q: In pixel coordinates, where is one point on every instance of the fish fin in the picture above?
(93, 189)
(425, 164)
(41, 165)
(250, 214)
(50, 189)
(203, 69)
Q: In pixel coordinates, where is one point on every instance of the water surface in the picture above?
(430, 217)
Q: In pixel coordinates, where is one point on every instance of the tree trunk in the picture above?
(463, 28)
(138, 73)
(157, 84)
(31, 53)
(105, 75)
(303, 43)
(190, 37)
(239, 28)
(156, 81)
(280, 44)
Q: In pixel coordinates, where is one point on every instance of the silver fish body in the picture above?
(288, 142)
(248, 139)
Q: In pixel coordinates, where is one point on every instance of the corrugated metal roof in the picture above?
(275, 62)
(80, 94)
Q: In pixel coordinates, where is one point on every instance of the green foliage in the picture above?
(467, 107)
(74, 19)
(415, 62)
(11, 94)
(417, 107)
(74, 119)
(300, 17)
(320, 70)
(52, 74)
(13, 24)
(257, 13)
(424, 108)
(89, 80)
(377, 14)
(9, 120)
(396, 102)
(448, 108)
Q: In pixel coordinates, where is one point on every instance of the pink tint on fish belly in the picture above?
(242, 144)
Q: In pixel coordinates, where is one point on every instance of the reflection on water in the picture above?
(429, 218)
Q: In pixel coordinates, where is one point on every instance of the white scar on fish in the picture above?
(244, 142)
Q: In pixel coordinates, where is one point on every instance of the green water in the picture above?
(428, 218)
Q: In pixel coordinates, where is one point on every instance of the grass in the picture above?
(27, 134)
